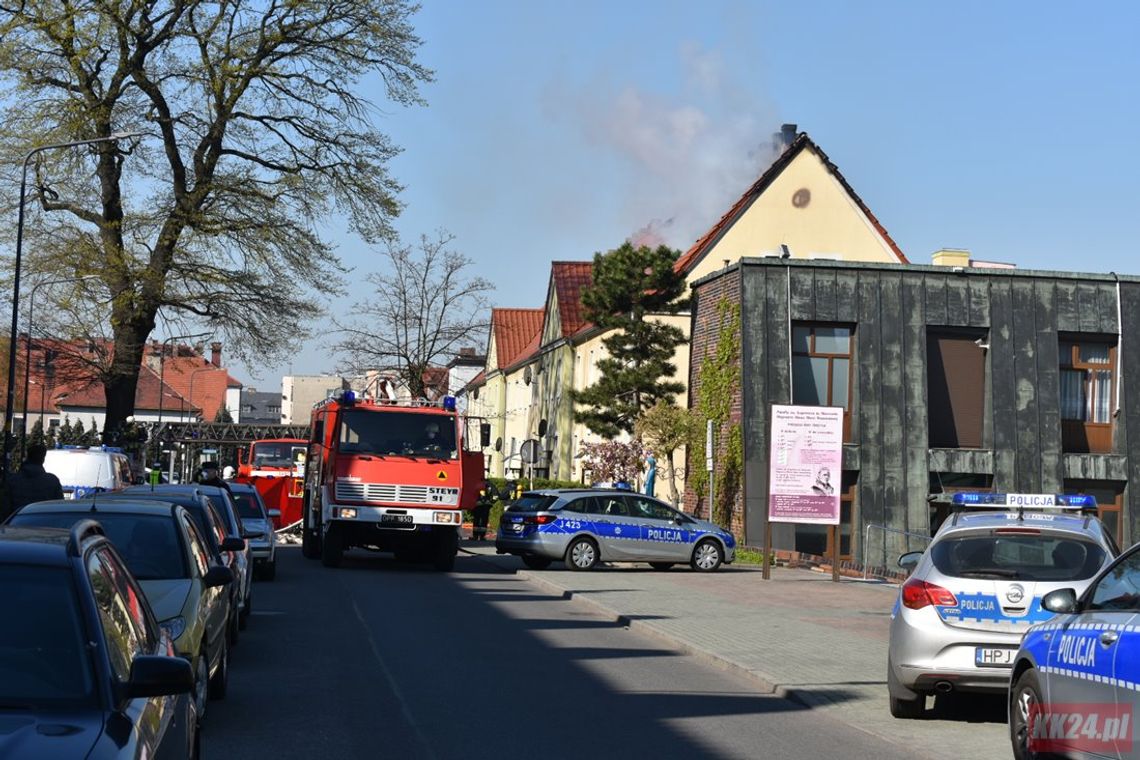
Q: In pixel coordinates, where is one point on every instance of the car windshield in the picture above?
(533, 502)
(396, 433)
(277, 454)
(1020, 557)
(248, 506)
(43, 654)
(148, 543)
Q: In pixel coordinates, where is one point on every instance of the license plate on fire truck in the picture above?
(438, 495)
(387, 519)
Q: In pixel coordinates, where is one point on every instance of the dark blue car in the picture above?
(85, 670)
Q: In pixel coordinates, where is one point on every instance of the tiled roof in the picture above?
(530, 350)
(146, 395)
(802, 141)
(514, 330)
(199, 382)
(476, 382)
(570, 278)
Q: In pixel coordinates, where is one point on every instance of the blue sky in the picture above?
(557, 129)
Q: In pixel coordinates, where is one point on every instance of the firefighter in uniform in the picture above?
(481, 514)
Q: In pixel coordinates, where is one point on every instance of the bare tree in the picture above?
(424, 309)
(256, 129)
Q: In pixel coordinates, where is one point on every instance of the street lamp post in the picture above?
(8, 408)
(28, 351)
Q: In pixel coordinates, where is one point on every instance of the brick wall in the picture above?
(703, 342)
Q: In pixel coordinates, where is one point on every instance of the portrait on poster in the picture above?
(805, 464)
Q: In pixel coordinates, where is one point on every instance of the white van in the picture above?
(83, 471)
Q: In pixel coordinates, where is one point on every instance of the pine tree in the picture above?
(65, 435)
(37, 434)
(223, 415)
(630, 285)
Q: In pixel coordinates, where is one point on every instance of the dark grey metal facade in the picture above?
(892, 308)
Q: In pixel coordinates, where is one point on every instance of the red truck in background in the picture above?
(389, 476)
(276, 468)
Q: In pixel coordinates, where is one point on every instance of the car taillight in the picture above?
(539, 519)
(917, 594)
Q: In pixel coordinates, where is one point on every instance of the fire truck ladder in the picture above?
(222, 433)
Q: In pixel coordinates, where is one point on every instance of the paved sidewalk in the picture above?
(820, 643)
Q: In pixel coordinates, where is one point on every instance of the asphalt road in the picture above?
(382, 660)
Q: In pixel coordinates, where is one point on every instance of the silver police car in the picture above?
(959, 618)
(582, 527)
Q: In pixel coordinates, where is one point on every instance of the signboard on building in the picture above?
(805, 465)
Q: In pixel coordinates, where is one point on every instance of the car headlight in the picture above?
(174, 627)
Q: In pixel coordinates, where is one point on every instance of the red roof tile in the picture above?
(514, 330)
(570, 278)
(802, 141)
(92, 395)
(198, 381)
(530, 350)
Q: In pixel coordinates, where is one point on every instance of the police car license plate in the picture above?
(994, 657)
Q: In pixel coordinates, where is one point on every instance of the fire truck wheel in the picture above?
(332, 548)
(445, 549)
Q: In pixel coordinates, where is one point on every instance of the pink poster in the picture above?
(806, 464)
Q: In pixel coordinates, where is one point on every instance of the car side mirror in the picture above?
(1063, 601)
(909, 560)
(484, 435)
(156, 676)
(274, 514)
(233, 544)
(218, 576)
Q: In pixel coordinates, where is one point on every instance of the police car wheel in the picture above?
(1023, 697)
(707, 556)
(582, 554)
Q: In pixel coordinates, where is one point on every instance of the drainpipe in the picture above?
(1119, 345)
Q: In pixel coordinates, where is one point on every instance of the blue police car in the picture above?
(1076, 677)
(979, 586)
(582, 527)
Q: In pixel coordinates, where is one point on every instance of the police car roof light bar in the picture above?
(1033, 502)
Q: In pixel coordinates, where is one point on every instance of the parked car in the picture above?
(1076, 678)
(224, 504)
(585, 526)
(84, 470)
(225, 549)
(167, 556)
(960, 616)
(85, 670)
(258, 524)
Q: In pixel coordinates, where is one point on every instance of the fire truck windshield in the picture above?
(397, 433)
(276, 454)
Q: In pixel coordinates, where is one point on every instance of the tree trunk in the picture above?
(670, 472)
(122, 382)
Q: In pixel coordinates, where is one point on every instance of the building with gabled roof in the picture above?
(204, 383)
(499, 393)
(801, 207)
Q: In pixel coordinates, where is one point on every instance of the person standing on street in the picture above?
(481, 514)
(208, 476)
(30, 483)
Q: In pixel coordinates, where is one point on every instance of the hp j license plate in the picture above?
(993, 657)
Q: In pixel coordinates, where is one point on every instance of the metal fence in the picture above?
(903, 543)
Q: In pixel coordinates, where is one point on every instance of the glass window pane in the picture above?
(840, 375)
(1066, 353)
(1072, 394)
(809, 380)
(833, 340)
(800, 337)
(1101, 395)
(1094, 353)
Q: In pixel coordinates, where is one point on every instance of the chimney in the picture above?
(216, 354)
(951, 257)
(788, 133)
(466, 352)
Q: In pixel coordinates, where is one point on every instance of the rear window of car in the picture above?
(533, 503)
(247, 506)
(1029, 557)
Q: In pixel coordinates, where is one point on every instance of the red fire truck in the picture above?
(389, 476)
(276, 468)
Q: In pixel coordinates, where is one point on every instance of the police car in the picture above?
(1076, 678)
(585, 526)
(959, 618)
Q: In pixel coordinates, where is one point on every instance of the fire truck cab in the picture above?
(276, 468)
(389, 476)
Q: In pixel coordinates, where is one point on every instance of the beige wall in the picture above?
(490, 405)
(516, 414)
(830, 225)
